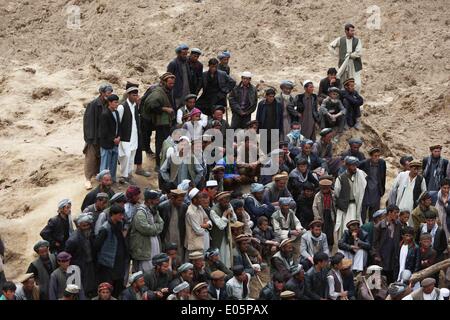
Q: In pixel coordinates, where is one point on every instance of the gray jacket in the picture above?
(307, 246)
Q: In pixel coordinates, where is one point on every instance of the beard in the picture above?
(86, 233)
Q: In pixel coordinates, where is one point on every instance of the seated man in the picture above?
(332, 111)
(295, 138)
(255, 204)
(273, 289)
(267, 238)
(352, 102)
(438, 239)
(313, 241)
(355, 245)
(316, 282)
(184, 112)
(248, 170)
(317, 165)
(328, 82)
(238, 287)
(299, 177)
(277, 189)
(283, 261)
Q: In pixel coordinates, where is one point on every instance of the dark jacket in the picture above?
(347, 241)
(261, 114)
(439, 243)
(240, 259)
(235, 99)
(108, 129)
(263, 236)
(314, 160)
(42, 271)
(304, 211)
(316, 284)
(226, 83)
(385, 248)
(412, 262)
(324, 85)
(165, 210)
(301, 106)
(155, 282)
(255, 212)
(128, 294)
(126, 125)
(56, 230)
(298, 287)
(196, 75)
(296, 187)
(269, 293)
(91, 121)
(83, 255)
(176, 69)
(92, 195)
(365, 166)
(351, 99)
(291, 107)
(213, 293)
(218, 265)
(426, 167)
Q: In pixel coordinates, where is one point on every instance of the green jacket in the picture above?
(153, 105)
(142, 231)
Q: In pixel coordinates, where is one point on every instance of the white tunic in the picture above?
(125, 148)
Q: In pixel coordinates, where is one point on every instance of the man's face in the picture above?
(204, 201)
(286, 90)
(436, 153)
(428, 289)
(118, 217)
(350, 87)
(331, 76)
(281, 184)
(212, 191)
(224, 60)
(43, 252)
(113, 104)
(325, 189)
(303, 168)
(64, 264)
(316, 231)
(172, 254)
(407, 238)
(430, 223)
(185, 294)
(183, 53)
(333, 95)
(288, 249)
(107, 180)
(9, 294)
(218, 115)
(105, 95)
(84, 226)
(246, 81)
(170, 83)
(445, 189)
(414, 171)
(375, 157)
(224, 202)
(178, 200)
(239, 211)
(133, 97)
(323, 264)
(190, 104)
(353, 228)
(270, 98)
(212, 68)
(392, 215)
(66, 210)
(188, 275)
(164, 267)
(284, 208)
(308, 193)
(264, 226)
(104, 294)
(140, 283)
(425, 243)
(350, 32)
(404, 218)
(153, 202)
(259, 195)
(351, 168)
(295, 127)
(300, 276)
(426, 202)
(309, 89)
(194, 57)
(101, 204)
(219, 283)
(279, 286)
(354, 148)
(29, 284)
(307, 149)
(195, 117)
(244, 245)
(198, 263)
(202, 294)
(242, 277)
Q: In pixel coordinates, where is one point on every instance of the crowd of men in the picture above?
(315, 225)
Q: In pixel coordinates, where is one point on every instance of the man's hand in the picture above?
(204, 225)
(165, 290)
(295, 233)
(311, 260)
(159, 294)
(226, 213)
(117, 140)
(343, 294)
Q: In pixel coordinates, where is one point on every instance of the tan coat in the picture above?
(194, 233)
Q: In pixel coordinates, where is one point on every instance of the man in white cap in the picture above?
(196, 68)
(71, 292)
(287, 100)
(59, 228)
(197, 225)
(349, 193)
(243, 99)
(307, 108)
(129, 133)
(180, 292)
(136, 289)
(427, 291)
